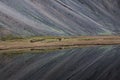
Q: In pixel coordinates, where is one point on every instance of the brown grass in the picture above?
(57, 42)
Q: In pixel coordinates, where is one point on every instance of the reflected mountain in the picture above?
(91, 63)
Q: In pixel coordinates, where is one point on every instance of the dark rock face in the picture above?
(61, 17)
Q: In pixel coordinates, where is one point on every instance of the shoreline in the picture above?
(57, 42)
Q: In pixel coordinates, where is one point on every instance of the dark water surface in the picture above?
(91, 63)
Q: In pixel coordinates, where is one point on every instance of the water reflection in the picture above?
(91, 63)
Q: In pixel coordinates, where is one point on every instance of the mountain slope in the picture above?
(60, 17)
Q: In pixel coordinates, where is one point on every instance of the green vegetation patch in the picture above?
(10, 37)
(87, 39)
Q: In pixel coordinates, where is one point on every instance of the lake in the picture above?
(87, 63)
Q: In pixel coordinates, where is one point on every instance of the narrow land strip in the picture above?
(49, 42)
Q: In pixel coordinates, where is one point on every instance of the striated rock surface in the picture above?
(60, 17)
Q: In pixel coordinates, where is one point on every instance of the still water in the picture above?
(89, 63)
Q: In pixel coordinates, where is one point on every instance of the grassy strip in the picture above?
(10, 37)
(51, 41)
